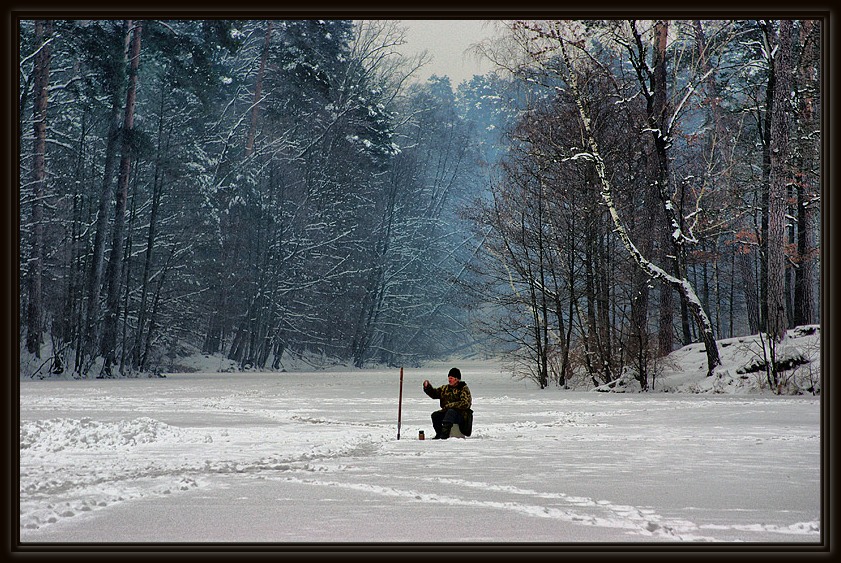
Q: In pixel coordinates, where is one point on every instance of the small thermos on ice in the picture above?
(421, 436)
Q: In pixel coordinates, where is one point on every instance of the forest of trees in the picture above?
(612, 191)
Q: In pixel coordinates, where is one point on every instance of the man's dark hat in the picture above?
(454, 373)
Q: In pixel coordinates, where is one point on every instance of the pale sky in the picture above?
(446, 41)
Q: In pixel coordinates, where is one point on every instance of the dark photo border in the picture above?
(435, 10)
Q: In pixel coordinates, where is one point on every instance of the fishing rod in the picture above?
(400, 405)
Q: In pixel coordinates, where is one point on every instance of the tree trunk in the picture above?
(603, 287)
(656, 107)
(746, 265)
(590, 312)
(35, 308)
(803, 293)
(665, 331)
(640, 345)
(779, 179)
(659, 121)
(73, 320)
(124, 348)
(157, 193)
(258, 91)
(113, 275)
(153, 316)
(766, 128)
(806, 209)
(92, 290)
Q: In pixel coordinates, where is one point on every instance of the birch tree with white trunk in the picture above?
(681, 284)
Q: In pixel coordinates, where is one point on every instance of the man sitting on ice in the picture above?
(456, 406)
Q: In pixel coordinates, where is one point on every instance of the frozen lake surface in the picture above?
(313, 457)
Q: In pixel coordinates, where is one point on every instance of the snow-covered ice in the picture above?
(314, 457)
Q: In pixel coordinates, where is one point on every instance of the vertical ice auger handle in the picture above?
(400, 405)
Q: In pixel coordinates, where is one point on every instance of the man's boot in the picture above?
(445, 430)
